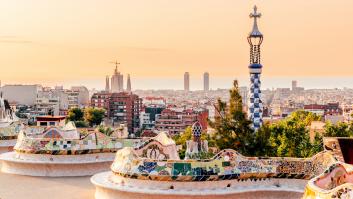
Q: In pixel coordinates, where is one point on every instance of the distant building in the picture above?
(75, 99)
(348, 113)
(176, 121)
(82, 95)
(47, 105)
(21, 94)
(59, 100)
(122, 108)
(154, 101)
(154, 110)
(117, 80)
(186, 81)
(107, 85)
(283, 92)
(125, 108)
(128, 86)
(100, 100)
(324, 109)
(145, 121)
(294, 85)
(206, 81)
(50, 120)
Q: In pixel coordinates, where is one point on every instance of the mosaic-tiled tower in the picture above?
(255, 104)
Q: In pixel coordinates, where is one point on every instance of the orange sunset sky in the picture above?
(64, 40)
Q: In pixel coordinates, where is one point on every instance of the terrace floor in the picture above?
(26, 187)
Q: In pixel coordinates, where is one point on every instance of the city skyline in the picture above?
(176, 99)
(78, 46)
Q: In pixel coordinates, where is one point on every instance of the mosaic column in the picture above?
(255, 39)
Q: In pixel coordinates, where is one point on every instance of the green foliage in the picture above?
(317, 145)
(75, 114)
(290, 136)
(232, 128)
(304, 117)
(94, 116)
(339, 130)
(81, 124)
(105, 130)
(263, 144)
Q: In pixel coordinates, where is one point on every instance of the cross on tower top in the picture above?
(255, 30)
(116, 66)
(255, 14)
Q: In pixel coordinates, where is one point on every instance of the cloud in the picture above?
(13, 39)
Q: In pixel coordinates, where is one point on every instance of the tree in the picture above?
(290, 136)
(304, 117)
(339, 130)
(94, 116)
(232, 128)
(81, 124)
(317, 145)
(75, 114)
(105, 130)
(263, 143)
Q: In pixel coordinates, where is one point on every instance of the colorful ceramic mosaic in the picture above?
(335, 182)
(51, 142)
(11, 131)
(227, 165)
(10, 125)
(58, 141)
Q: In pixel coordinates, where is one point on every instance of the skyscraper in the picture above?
(206, 81)
(107, 85)
(128, 84)
(294, 85)
(186, 81)
(255, 39)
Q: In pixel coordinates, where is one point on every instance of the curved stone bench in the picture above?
(109, 186)
(7, 145)
(43, 162)
(226, 175)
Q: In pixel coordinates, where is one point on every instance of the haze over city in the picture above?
(157, 41)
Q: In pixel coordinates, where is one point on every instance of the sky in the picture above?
(74, 42)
